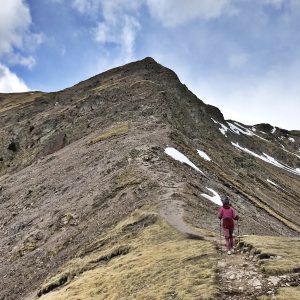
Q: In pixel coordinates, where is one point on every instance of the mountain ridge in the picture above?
(77, 162)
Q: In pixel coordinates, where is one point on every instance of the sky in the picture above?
(239, 55)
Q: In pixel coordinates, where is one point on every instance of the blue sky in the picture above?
(239, 55)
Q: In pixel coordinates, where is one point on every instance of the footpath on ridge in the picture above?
(239, 275)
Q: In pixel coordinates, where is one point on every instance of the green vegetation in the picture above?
(278, 255)
(115, 131)
(141, 258)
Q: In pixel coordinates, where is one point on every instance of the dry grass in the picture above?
(284, 250)
(286, 293)
(127, 178)
(109, 84)
(141, 258)
(14, 100)
(115, 131)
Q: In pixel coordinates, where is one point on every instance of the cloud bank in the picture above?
(16, 38)
(10, 82)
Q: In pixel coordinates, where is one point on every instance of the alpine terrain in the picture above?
(110, 190)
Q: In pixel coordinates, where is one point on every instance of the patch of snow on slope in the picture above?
(270, 181)
(253, 129)
(180, 157)
(269, 159)
(223, 128)
(247, 131)
(239, 129)
(273, 130)
(291, 139)
(215, 198)
(204, 155)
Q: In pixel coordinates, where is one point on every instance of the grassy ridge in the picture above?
(141, 258)
(278, 255)
(286, 293)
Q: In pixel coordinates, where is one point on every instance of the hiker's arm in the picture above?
(220, 214)
(235, 216)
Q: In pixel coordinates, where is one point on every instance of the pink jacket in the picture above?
(227, 214)
(227, 211)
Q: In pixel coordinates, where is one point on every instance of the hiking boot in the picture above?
(229, 252)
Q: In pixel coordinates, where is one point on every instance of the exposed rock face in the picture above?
(74, 162)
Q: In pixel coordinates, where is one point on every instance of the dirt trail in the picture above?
(239, 275)
(240, 278)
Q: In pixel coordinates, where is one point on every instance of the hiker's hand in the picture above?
(237, 218)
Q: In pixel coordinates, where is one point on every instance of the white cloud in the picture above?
(10, 82)
(15, 20)
(18, 59)
(15, 34)
(86, 6)
(117, 23)
(172, 13)
(270, 97)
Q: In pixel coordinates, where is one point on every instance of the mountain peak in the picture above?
(81, 171)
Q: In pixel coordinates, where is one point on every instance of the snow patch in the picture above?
(204, 155)
(237, 128)
(291, 139)
(269, 159)
(273, 130)
(223, 128)
(253, 129)
(270, 181)
(215, 198)
(180, 157)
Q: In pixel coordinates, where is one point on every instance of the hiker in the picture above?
(228, 214)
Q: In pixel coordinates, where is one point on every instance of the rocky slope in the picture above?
(75, 163)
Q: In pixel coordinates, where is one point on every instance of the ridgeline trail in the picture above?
(239, 275)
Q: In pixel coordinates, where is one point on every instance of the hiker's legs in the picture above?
(230, 238)
(228, 233)
(227, 238)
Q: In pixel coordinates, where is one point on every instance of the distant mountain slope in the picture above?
(76, 162)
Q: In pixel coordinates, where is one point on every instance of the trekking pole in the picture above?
(221, 239)
(238, 224)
